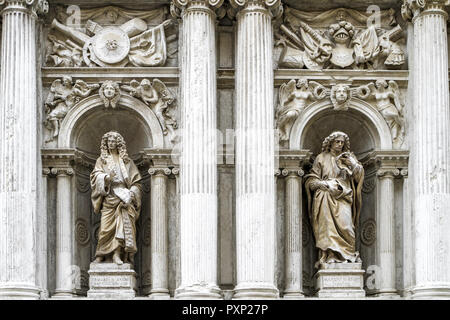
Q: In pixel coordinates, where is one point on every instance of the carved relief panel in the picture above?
(111, 37)
(338, 39)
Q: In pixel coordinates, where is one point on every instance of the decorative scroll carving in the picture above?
(368, 232)
(341, 46)
(110, 93)
(159, 98)
(83, 186)
(293, 97)
(133, 43)
(64, 94)
(412, 8)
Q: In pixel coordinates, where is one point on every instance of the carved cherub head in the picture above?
(342, 32)
(146, 84)
(302, 83)
(67, 81)
(340, 96)
(110, 93)
(381, 84)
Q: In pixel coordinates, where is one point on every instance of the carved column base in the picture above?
(255, 290)
(293, 294)
(199, 292)
(159, 294)
(432, 292)
(19, 292)
(111, 281)
(340, 280)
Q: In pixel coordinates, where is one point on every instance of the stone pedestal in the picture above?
(111, 281)
(340, 280)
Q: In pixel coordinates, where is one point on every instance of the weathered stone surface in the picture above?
(340, 280)
(111, 281)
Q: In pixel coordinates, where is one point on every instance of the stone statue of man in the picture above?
(116, 194)
(333, 188)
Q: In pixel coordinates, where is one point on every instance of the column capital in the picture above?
(62, 171)
(159, 171)
(177, 7)
(176, 171)
(388, 172)
(46, 171)
(404, 172)
(411, 9)
(33, 6)
(293, 172)
(274, 6)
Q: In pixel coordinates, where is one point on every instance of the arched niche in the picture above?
(365, 126)
(87, 121)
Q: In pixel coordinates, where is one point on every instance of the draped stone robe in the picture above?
(118, 223)
(334, 212)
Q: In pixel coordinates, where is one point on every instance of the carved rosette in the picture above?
(35, 7)
(82, 232)
(368, 232)
(411, 9)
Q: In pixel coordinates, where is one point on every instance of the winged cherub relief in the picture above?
(64, 94)
(159, 98)
(293, 97)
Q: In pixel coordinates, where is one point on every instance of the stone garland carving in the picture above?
(82, 235)
(368, 232)
(132, 43)
(64, 94)
(386, 96)
(341, 46)
(159, 98)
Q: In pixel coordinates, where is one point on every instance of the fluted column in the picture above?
(159, 233)
(64, 234)
(18, 149)
(198, 162)
(385, 250)
(430, 147)
(293, 243)
(255, 190)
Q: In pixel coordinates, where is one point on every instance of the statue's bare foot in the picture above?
(99, 259)
(116, 258)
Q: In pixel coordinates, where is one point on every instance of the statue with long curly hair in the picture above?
(116, 194)
(334, 187)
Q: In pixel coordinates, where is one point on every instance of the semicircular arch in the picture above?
(85, 110)
(359, 110)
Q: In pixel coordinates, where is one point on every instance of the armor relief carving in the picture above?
(339, 39)
(110, 37)
(295, 95)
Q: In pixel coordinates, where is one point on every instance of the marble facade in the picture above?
(224, 105)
